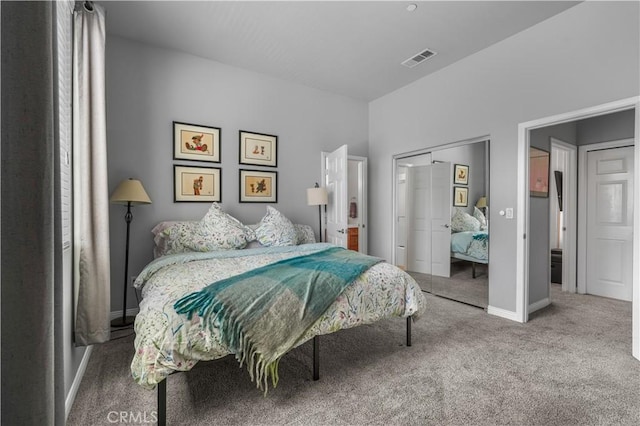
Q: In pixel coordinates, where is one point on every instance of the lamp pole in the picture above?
(128, 217)
(320, 221)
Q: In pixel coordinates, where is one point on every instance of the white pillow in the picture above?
(462, 221)
(477, 213)
(218, 231)
(276, 230)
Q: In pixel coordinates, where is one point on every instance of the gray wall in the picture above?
(472, 155)
(539, 231)
(545, 70)
(604, 128)
(148, 88)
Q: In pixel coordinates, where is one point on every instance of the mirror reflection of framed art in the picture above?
(460, 196)
(460, 174)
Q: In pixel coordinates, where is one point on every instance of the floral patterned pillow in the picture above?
(462, 221)
(276, 230)
(477, 213)
(218, 231)
(305, 234)
(169, 237)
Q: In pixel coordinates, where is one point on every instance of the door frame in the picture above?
(363, 241)
(570, 201)
(363, 198)
(582, 202)
(522, 220)
(394, 190)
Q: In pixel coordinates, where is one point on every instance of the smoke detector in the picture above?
(419, 58)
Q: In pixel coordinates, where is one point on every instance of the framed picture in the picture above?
(460, 196)
(197, 184)
(460, 174)
(538, 172)
(258, 149)
(194, 142)
(257, 186)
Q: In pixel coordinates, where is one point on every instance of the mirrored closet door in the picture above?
(441, 224)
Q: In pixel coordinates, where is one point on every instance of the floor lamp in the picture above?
(318, 196)
(130, 192)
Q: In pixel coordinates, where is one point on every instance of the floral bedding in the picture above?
(474, 246)
(166, 341)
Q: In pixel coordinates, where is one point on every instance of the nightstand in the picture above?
(352, 238)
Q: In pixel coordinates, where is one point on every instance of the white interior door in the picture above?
(610, 223)
(401, 217)
(419, 219)
(441, 201)
(564, 158)
(336, 184)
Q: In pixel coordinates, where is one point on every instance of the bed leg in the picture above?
(473, 269)
(162, 403)
(316, 358)
(409, 331)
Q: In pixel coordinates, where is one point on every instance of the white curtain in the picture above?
(32, 370)
(90, 188)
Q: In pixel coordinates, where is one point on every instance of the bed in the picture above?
(167, 341)
(470, 237)
(471, 246)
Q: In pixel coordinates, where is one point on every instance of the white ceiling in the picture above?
(350, 48)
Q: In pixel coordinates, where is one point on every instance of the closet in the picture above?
(435, 188)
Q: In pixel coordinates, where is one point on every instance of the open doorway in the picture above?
(533, 279)
(554, 256)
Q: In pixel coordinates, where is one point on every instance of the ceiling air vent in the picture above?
(419, 58)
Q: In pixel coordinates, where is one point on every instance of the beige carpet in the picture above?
(460, 285)
(570, 365)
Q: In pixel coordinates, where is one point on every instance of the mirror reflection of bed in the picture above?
(441, 224)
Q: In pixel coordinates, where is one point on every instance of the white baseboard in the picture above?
(129, 312)
(539, 305)
(71, 396)
(502, 313)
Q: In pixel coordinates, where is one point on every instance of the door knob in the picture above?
(446, 225)
(341, 231)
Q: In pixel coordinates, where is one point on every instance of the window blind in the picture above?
(64, 53)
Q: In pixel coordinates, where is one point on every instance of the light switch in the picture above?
(509, 211)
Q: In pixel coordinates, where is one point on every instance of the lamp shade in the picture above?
(482, 203)
(130, 191)
(317, 196)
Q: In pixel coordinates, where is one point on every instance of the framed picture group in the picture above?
(257, 149)
(460, 193)
(202, 182)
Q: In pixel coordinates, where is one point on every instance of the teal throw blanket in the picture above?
(263, 312)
